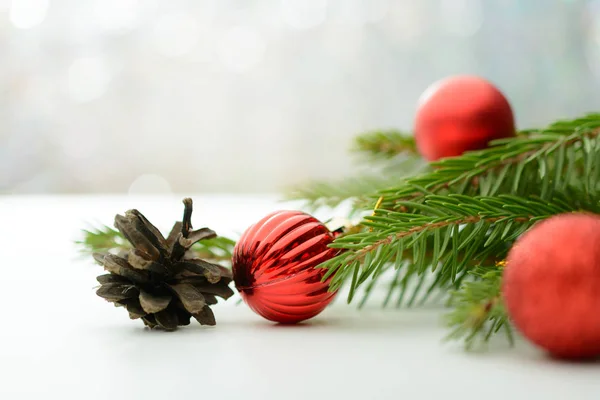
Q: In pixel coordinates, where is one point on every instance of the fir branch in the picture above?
(102, 239)
(359, 189)
(217, 249)
(318, 194)
(385, 144)
(396, 149)
(408, 286)
(431, 225)
(549, 159)
(107, 239)
(441, 230)
(478, 308)
(461, 231)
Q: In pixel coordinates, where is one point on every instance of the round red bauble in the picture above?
(274, 266)
(459, 114)
(551, 285)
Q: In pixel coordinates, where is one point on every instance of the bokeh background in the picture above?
(136, 96)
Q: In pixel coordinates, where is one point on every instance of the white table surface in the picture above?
(59, 340)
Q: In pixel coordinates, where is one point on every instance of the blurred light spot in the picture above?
(205, 11)
(45, 181)
(462, 17)
(363, 11)
(592, 40)
(340, 47)
(241, 48)
(593, 61)
(25, 14)
(88, 79)
(39, 97)
(375, 10)
(176, 34)
(116, 15)
(405, 24)
(149, 184)
(204, 51)
(304, 14)
(80, 144)
(594, 18)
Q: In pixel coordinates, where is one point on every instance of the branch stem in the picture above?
(360, 254)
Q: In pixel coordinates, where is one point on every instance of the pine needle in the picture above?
(478, 311)
(385, 144)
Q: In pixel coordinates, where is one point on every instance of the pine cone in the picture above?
(160, 280)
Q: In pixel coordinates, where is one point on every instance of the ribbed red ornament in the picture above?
(274, 266)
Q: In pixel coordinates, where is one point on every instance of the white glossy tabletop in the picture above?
(58, 340)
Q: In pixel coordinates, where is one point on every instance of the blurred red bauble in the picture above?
(459, 114)
(273, 266)
(551, 285)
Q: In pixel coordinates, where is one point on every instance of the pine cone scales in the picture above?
(160, 280)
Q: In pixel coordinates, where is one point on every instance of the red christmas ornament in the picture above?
(459, 114)
(273, 266)
(551, 285)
